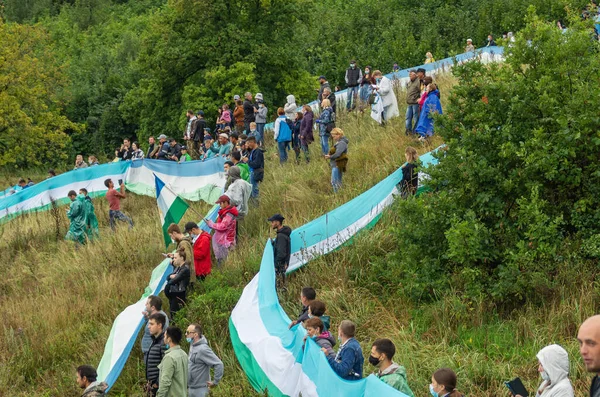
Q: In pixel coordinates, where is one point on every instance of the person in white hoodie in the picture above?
(290, 108)
(385, 89)
(239, 192)
(554, 370)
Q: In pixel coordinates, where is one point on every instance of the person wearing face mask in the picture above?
(384, 88)
(185, 244)
(348, 362)
(201, 246)
(353, 79)
(201, 360)
(490, 41)
(316, 331)
(173, 367)
(177, 283)
(554, 370)
(443, 384)
(365, 87)
(382, 352)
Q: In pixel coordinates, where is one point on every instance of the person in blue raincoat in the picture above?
(431, 106)
(77, 216)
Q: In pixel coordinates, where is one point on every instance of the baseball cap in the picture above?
(223, 198)
(276, 217)
(162, 136)
(236, 97)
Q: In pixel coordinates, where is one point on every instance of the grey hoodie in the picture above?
(290, 108)
(261, 115)
(201, 360)
(555, 361)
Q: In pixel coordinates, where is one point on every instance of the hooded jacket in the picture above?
(395, 376)
(201, 360)
(202, 261)
(432, 105)
(261, 115)
(224, 227)
(239, 191)
(388, 98)
(341, 148)
(78, 218)
(96, 389)
(282, 246)
(555, 361)
(327, 341)
(290, 107)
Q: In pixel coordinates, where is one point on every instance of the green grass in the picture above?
(59, 303)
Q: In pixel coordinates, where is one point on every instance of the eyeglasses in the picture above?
(190, 332)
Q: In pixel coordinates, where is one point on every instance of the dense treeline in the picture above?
(132, 68)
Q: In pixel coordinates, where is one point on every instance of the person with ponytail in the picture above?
(443, 384)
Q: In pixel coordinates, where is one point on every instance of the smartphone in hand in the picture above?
(120, 182)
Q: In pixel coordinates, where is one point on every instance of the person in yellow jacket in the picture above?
(429, 58)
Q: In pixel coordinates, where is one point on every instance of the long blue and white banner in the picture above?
(271, 354)
(194, 180)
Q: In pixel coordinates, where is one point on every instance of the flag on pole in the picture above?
(171, 206)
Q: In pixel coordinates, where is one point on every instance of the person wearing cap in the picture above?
(261, 118)
(184, 154)
(224, 237)
(197, 135)
(282, 246)
(324, 84)
(201, 249)
(248, 111)
(353, 79)
(222, 147)
(238, 115)
(470, 47)
(163, 152)
(413, 94)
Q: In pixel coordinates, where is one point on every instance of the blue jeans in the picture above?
(260, 133)
(412, 114)
(325, 144)
(336, 179)
(283, 148)
(254, 184)
(352, 93)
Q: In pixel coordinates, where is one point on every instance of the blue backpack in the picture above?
(285, 132)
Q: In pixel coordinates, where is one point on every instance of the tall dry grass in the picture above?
(59, 302)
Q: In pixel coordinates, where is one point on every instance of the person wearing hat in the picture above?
(353, 79)
(184, 154)
(224, 237)
(324, 84)
(261, 118)
(163, 152)
(470, 47)
(201, 247)
(222, 147)
(197, 135)
(282, 246)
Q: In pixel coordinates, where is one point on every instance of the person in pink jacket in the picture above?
(223, 239)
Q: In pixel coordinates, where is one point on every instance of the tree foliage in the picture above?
(33, 129)
(517, 188)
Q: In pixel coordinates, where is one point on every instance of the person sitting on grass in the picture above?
(317, 309)
(76, 214)
(316, 330)
(87, 380)
(382, 352)
(348, 362)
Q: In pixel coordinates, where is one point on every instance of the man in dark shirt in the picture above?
(198, 134)
(256, 162)
(323, 84)
(174, 150)
(589, 347)
(282, 246)
(307, 296)
(126, 152)
(163, 151)
(248, 111)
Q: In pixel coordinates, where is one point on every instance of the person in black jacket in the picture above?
(410, 176)
(256, 162)
(177, 282)
(282, 246)
(353, 79)
(156, 325)
(249, 116)
(126, 153)
(198, 134)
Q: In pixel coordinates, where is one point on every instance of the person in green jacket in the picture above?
(185, 155)
(173, 367)
(90, 213)
(77, 215)
(236, 159)
(394, 375)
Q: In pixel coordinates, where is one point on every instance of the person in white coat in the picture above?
(290, 108)
(385, 89)
(554, 370)
(238, 191)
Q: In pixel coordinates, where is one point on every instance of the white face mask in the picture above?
(545, 375)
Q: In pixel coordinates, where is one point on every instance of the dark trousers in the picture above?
(176, 301)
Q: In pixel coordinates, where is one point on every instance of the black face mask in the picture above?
(374, 360)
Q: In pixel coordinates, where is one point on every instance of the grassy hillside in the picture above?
(59, 302)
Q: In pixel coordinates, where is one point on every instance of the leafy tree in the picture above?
(33, 129)
(519, 180)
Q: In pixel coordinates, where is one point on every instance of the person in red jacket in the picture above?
(201, 245)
